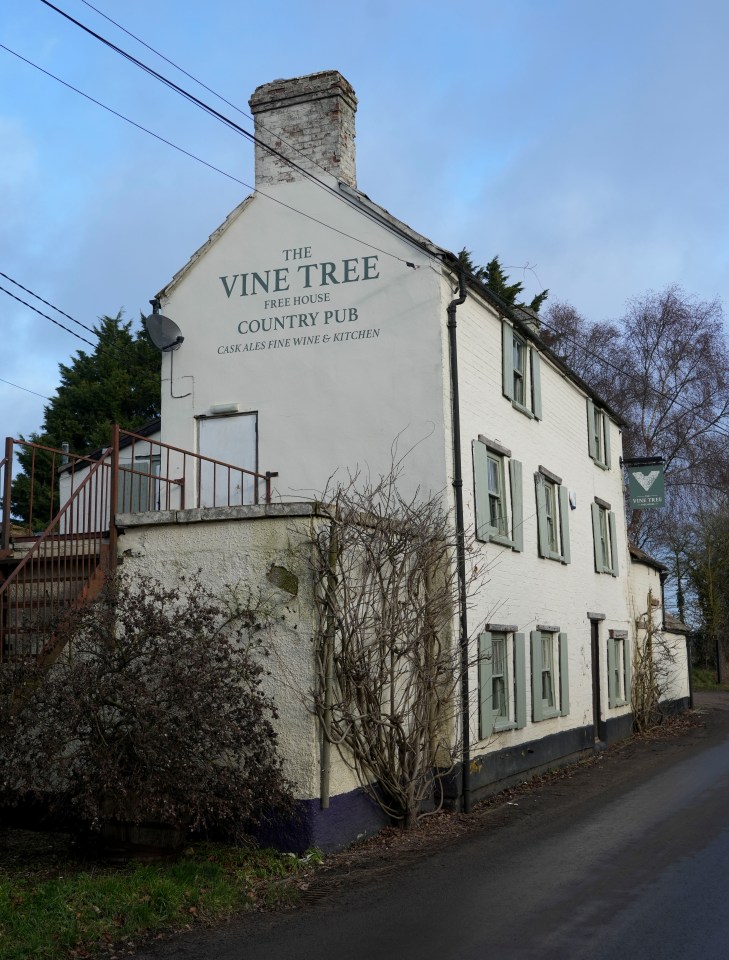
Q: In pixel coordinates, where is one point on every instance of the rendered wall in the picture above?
(341, 358)
(261, 553)
(670, 648)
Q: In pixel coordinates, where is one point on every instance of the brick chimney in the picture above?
(314, 115)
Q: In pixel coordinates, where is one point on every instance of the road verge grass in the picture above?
(66, 909)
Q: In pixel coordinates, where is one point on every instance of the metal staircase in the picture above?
(44, 577)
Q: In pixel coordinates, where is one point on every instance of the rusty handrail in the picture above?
(64, 565)
(170, 452)
(63, 568)
(7, 472)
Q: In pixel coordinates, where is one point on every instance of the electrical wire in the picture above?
(26, 389)
(121, 116)
(41, 314)
(192, 156)
(200, 83)
(256, 140)
(48, 304)
(238, 129)
(613, 366)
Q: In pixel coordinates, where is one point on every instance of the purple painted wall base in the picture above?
(349, 817)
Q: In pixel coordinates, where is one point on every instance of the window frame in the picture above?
(519, 352)
(558, 673)
(605, 539)
(619, 666)
(598, 435)
(510, 531)
(497, 495)
(491, 719)
(527, 396)
(553, 538)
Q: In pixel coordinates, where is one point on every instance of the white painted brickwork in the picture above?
(524, 589)
(310, 120)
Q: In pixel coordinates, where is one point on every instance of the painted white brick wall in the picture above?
(524, 589)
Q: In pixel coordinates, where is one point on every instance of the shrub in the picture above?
(153, 713)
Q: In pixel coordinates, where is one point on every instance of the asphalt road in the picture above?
(630, 860)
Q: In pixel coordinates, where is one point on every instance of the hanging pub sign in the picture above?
(646, 484)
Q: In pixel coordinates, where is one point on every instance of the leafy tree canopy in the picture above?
(494, 277)
(119, 382)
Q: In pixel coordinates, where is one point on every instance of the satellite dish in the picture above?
(163, 332)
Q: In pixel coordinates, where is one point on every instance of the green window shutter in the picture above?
(542, 528)
(536, 645)
(596, 538)
(611, 673)
(507, 359)
(564, 524)
(485, 707)
(517, 505)
(608, 459)
(613, 545)
(536, 385)
(628, 668)
(481, 490)
(520, 704)
(564, 676)
(590, 429)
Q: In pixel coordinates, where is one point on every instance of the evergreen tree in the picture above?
(494, 277)
(119, 382)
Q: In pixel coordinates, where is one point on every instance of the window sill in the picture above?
(553, 556)
(502, 540)
(501, 725)
(522, 409)
(549, 713)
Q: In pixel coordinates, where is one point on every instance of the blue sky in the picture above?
(586, 144)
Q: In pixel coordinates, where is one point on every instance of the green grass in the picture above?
(705, 679)
(74, 910)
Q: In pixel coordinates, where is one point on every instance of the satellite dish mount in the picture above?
(166, 336)
(163, 332)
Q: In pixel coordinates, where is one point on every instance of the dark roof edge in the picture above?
(642, 557)
(146, 430)
(672, 624)
(529, 333)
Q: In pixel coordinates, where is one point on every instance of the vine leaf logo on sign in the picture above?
(646, 480)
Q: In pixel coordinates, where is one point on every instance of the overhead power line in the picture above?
(210, 166)
(25, 389)
(48, 304)
(217, 115)
(121, 116)
(252, 137)
(199, 82)
(41, 314)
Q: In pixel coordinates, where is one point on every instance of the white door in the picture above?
(230, 440)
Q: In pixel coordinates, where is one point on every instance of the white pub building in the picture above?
(316, 337)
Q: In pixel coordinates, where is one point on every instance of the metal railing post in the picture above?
(113, 496)
(7, 491)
